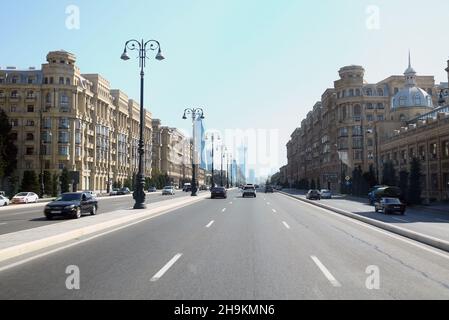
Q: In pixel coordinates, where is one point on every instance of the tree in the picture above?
(318, 184)
(312, 184)
(370, 178)
(65, 181)
(127, 183)
(54, 185)
(415, 189)
(357, 181)
(8, 150)
(403, 184)
(389, 174)
(30, 183)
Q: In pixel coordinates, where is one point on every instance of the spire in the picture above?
(409, 60)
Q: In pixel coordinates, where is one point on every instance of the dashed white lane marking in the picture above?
(286, 225)
(326, 272)
(165, 268)
(398, 219)
(230, 202)
(268, 203)
(224, 209)
(274, 211)
(210, 223)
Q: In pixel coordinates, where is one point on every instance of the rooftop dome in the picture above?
(411, 96)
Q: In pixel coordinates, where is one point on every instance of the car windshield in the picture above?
(325, 191)
(22, 194)
(249, 188)
(218, 189)
(69, 197)
(167, 188)
(392, 201)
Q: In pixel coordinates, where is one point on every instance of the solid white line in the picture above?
(223, 210)
(326, 272)
(210, 223)
(274, 211)
(161, 272)
(286, 225)
(398, 219)
(366, 225)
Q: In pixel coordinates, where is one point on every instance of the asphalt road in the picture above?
(271, 247)
(26, 216)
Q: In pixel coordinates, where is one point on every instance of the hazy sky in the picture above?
(252, 64)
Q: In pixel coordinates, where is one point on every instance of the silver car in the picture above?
(326, 194)
(169, 190)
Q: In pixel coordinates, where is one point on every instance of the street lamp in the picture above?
(223, 150)
(212, 137)
(143, 48)
(195, 113)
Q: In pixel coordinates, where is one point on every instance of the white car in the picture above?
(4, 201)
(168, 191)
(326, 194)
(25, 197)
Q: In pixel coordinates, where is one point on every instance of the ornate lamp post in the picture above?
(143, 48)
(223, 150)
(211, 136)
(195, 113)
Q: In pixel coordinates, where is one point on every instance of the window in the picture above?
(417, 99)
(396, 90)
(369, 106)
(370, 155)
(369, 142)
(78, 137)
(30, 80)
(13, 108)
(63, 123)
(380, 92)
(402, 118)
(14, 94)
(402, 101)
(78, 151)
(48, 98)
(61, 165)
(67, 81)
(380, 117)
(61, 80)
(30, 123)
(63, 137)
(343, 132)
(46, 136)
(342, 143)
(45, 80)
(29, 136)
(357, 92)
(14, 122)
(351, 92)
(14, 79)
(357, 142)
(63, 150)
(445, 149)
(30, 108)
(422, 153)
(433, 151)
(380, 106)
(14, 136)
(29, 151)
(357, 130)
(358, 154)
(434, 181)
(46, 123)
(369, 117)
(369, 92)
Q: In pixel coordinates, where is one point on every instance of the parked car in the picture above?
(114, 192)
(168, 190)
(385, 192)
(269, 189)
(72, 204)
(389, 205)
(218, 192)
(93, 194)
(313, 195)
(123, 191)
(25, 197)
(249, 190)
(152, 189)
(4, 201)
(204, 188)
(326, 194)
(187, 187)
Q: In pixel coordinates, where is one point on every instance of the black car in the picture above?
(72, 205)
(269, 189)
(218, 192)
(123, 191)
(389, 205)
(313, 195)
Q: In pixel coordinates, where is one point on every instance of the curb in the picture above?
(429, 240)
(39, 244)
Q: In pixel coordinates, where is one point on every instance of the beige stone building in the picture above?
(345, 129)
(64, 119)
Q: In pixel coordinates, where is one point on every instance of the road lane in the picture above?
(22, 217)
(246, 254)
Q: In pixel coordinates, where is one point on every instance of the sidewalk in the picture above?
(433, 223)
(27, 241)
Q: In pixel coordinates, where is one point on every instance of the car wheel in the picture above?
(94, 210)
(77, 214)
(49, 217)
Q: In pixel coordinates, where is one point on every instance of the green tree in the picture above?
(389, 174)
(30, 182)
(13, 185)
(54, 184)
(64, 179)
(312, 184)
(8, 150)
(415, 189)
(403, 184)
(127, 183)
(318, 184)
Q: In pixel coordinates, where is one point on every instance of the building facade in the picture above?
(353, 119)
(64, 119)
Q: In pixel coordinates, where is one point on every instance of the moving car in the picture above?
(249, 190)
(389, 205)
(371, 193)
(152, 189)
(326, 194)
(313, 195)
(25, 197)
(187, 187)
(169, 190)
(4, 201)
(123, 191)
(114, 192)
(72, 204)
(385, 192)
(218, 192)
(269, 189)
(93, 194)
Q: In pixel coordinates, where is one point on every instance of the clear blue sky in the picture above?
(250, 63)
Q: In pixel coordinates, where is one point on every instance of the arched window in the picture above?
(14, 94)
(48, 98)
(30, 137)
(380, 92)
(369, 92)
(357, 110)
(417, 99)
(357, 92)
(429, 101)
(351, 92)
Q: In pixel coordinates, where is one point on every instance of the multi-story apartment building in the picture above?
(344, 130)
(64, 119)
(157, 145)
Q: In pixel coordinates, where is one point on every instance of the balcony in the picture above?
(30, 98)
(14, 98)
